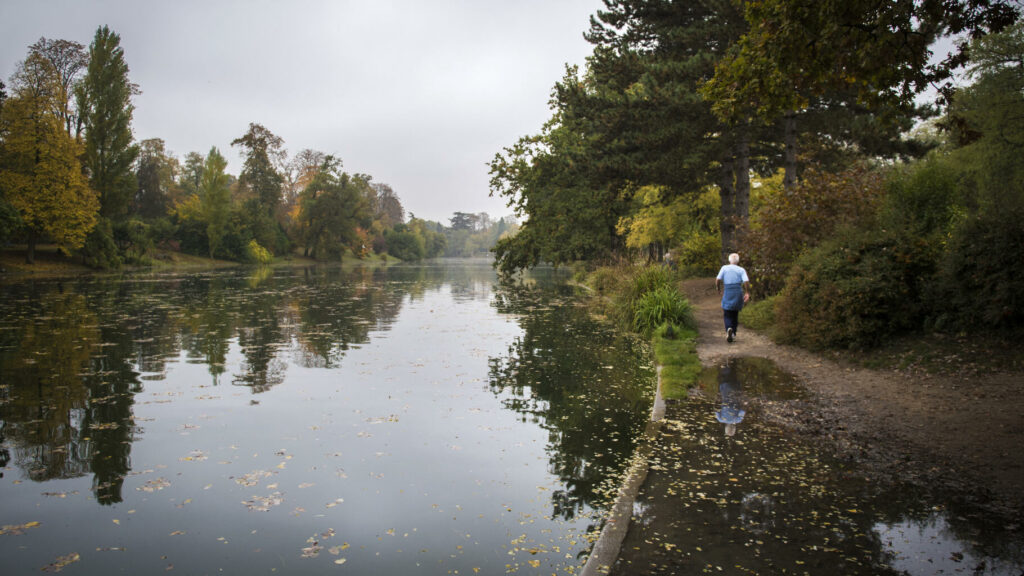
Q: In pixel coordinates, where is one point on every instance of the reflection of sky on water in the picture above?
(417, 419)
(927, 547)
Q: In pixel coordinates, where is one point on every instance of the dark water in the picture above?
(308, 421)
(729, 493)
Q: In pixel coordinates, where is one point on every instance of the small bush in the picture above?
(855, 291)
(100, 250)
(256, 254)
(659, 306)
(605, 281)
(759, 315)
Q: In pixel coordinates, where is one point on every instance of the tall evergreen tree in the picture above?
(261, 185)
(105, 104)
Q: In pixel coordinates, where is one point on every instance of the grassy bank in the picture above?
(646, 300)
(51, 263)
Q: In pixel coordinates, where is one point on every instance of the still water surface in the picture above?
(421, 419)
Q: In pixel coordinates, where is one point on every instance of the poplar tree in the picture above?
(215, 198)
(105, 104)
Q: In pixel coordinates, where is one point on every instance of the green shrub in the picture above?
(700, 254)
(978, 286)
(256, 254)
(855, 291)
(760, 314)
(922, 198)
(605, 281)
(99, 250)
(662, 305)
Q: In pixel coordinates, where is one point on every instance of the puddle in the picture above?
(730, 493)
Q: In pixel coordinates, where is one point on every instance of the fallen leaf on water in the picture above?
(14, 530)
(62, 562)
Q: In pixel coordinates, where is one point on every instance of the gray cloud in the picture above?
(419, 94)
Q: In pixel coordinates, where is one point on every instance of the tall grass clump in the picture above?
(660, 306)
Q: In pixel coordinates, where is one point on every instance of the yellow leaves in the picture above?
(62, 562)
(17, 529)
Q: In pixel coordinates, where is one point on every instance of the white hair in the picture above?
(734, 258)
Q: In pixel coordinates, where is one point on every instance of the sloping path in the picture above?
(964, 433)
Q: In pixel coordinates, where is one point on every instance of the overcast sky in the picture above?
(420, 94)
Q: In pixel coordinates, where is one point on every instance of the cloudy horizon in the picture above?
(418, 94)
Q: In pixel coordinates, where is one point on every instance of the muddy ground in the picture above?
(956, 431)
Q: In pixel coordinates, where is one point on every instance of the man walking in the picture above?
(734, 286)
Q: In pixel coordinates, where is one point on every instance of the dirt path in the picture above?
(959, 433)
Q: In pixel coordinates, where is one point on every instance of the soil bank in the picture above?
(958, 433)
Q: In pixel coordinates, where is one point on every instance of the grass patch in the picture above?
(675, 351)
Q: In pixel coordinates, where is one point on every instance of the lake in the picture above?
(401, 420)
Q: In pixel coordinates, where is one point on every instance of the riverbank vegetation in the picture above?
(646, 300)
(72, 176)
(864, 207)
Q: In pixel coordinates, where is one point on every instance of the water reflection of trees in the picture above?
(73, 354)
(586, 385)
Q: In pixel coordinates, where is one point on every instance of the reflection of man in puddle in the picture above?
(730, 413)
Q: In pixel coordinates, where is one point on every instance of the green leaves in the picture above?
(104, 102)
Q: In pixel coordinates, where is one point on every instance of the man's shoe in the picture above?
(731, 335)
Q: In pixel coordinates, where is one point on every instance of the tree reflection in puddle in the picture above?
(731, 493)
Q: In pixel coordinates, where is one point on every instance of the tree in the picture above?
(68, 60)
(40, 168)
(333, 206)
(261, 185)
(155, 172)
(191, 174)
(388, 208)
(463, 221)
(796, 50)
(105, 104)
(215, 198)
(259, 178)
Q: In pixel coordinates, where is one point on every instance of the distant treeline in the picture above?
(72, 174)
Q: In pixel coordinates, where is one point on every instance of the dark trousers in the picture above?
(732, 319)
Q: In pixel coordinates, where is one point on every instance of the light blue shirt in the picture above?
(732, 274)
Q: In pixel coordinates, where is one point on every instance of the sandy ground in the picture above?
(963, 434)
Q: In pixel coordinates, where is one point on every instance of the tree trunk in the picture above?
(742, 182)
(789, 151)
(727, 216)
(30, 253)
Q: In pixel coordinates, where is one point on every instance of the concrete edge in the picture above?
(609, 542)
